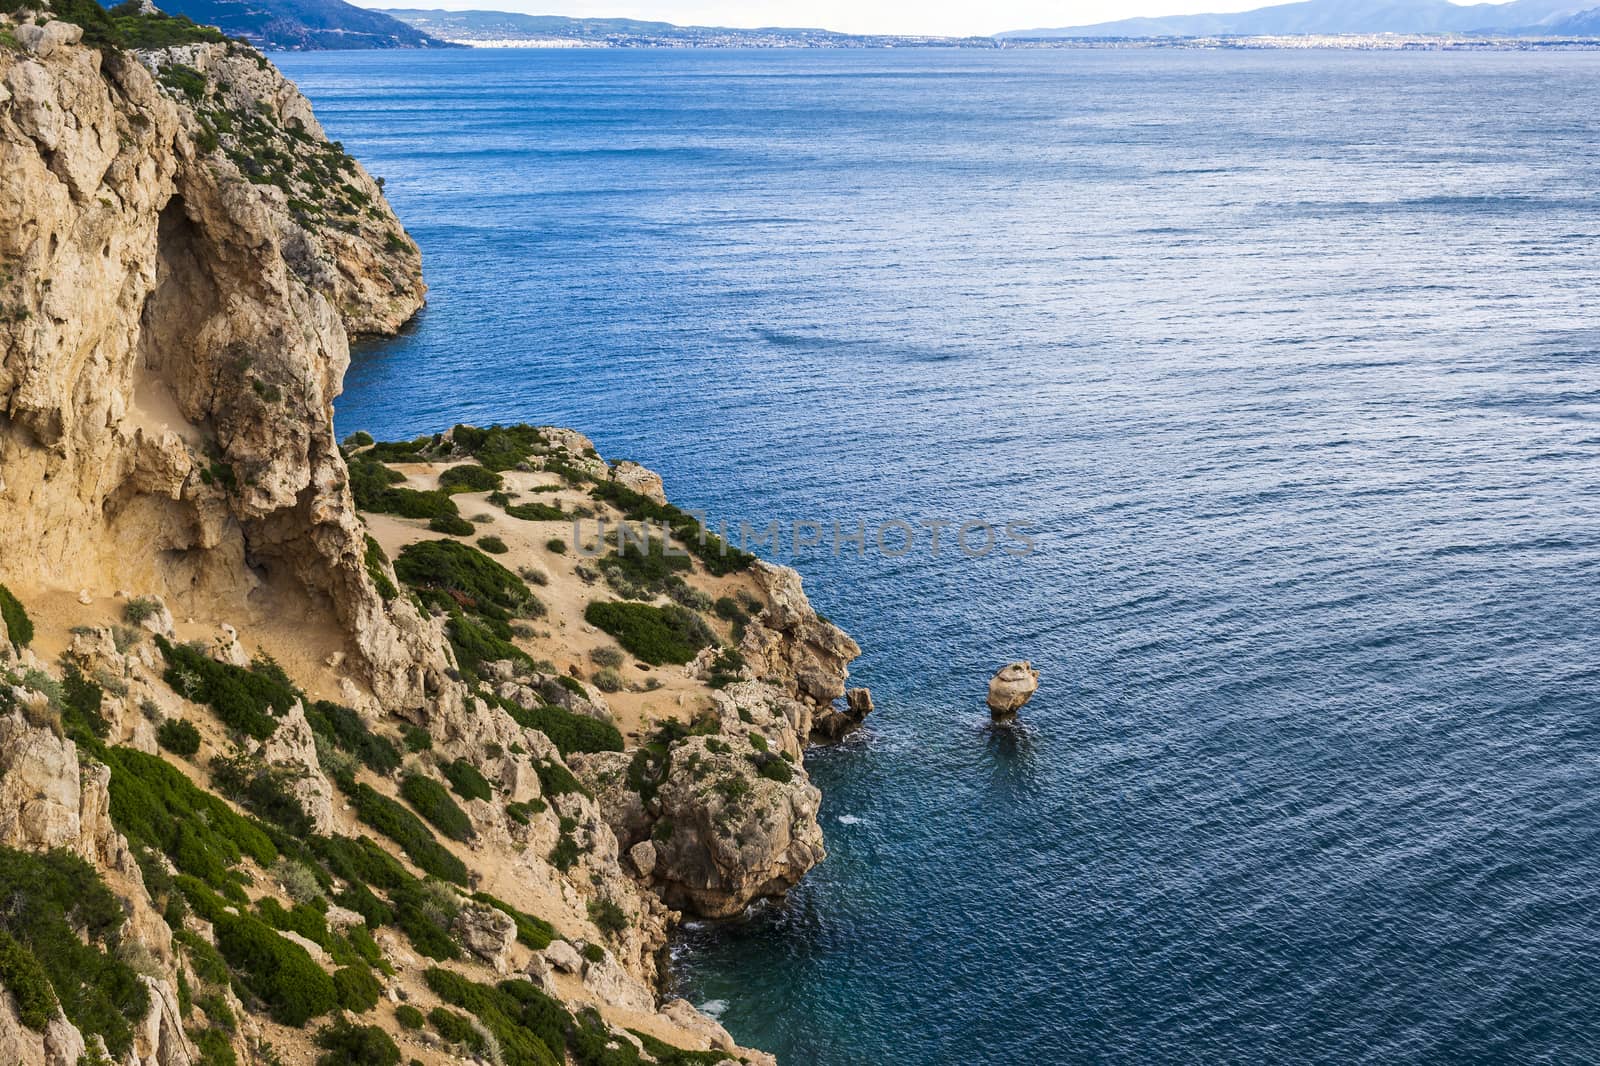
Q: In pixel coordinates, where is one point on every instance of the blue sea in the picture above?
(1291, 361)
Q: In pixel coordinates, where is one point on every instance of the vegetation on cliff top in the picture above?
(124, 26)
(657, 635)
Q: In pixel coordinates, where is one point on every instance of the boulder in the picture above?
(1011, 688)
(643, 857)
(42, 41)
(563, 956)
(831, 723)
(488, 933)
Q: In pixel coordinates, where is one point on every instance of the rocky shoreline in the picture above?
(368, 751)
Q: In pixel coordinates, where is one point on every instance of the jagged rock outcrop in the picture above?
(790, 644)
(174, 313)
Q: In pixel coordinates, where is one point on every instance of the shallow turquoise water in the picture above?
(1291, 359)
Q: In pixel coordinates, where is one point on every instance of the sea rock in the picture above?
(832, 724)
(1011, 688)
(488, 933)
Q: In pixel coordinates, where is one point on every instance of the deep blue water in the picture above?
(1293, 361)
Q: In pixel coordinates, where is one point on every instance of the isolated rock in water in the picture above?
(1012, 687)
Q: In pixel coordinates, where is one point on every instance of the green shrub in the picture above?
(536, 512)
(529, 1025)
(493, 545)
(433, 802)
(80, 704)
(406, 830)
(454, 525)
(408, 1016)
(60, 930)
(469, 478)
(376, 560)
(356, 988)
(555, 779)
(248, 700)
(657, 635)
(774, 769)
(461, 575)
(726, 668)
(607, 679)
(718, 557)
(344, 728)
(556, 545)
(536, 933)
(359, 439)
(178, 736)
(139, 609)
(416, 738)
(156, 806)
(498, 447)
(18, 625)
(278, 971)
(594, 952)
(348, 1044)
(608, 917)
(375, 488)
(26, 980)
(264, 790)
(456, 1028)
(568, 731)
(476, 642)
(564, 856)
(426, 912)
(466, 781)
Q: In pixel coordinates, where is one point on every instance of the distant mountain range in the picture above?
(303, 24)
(488, 27)
(1520, 18)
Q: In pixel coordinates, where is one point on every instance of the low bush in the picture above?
(139, 609)
(376, 560)
(426, 912)
(277, 971)
(568, 731)
(466, 781)
(416, 738)
(493, 545)
(405, 829)
(607, 679)
(657, 635)
(499, 447)
(608, 917)
(556, 545)
(469, 477)
(348, 1044)
(345, 729)
(455, 1028)
(249, 700)
(264, 790)
(408, 1016)
(155, 805)
(718, 557)
(178, 736)
(536, 512)
(452, 524)
(356, 988)
(433, 802)
(60, 930)
(460, 575)
(606, 656)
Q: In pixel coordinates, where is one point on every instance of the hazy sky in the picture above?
(944, 17)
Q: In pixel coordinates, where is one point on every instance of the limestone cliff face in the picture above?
(182, 257)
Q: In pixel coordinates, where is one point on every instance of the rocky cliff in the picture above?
(296, 760)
